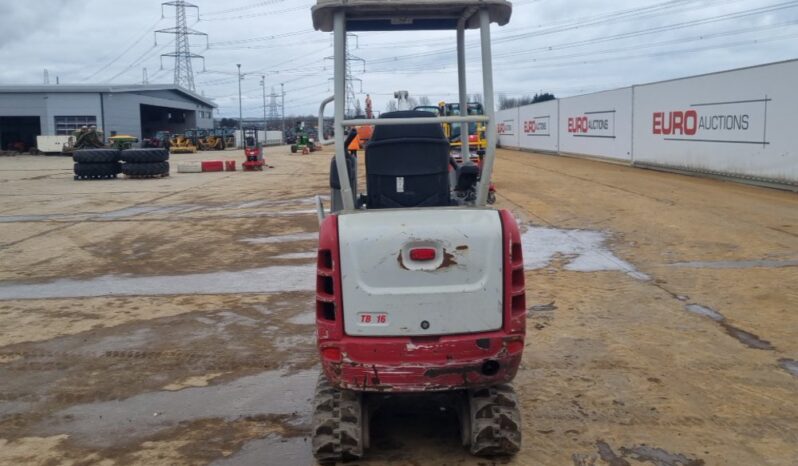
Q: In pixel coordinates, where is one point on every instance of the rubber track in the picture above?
(337, 423)
(495, 422)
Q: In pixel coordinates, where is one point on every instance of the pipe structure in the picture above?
(490, 109)
(461, 79)
(320, 129)
(339, 40)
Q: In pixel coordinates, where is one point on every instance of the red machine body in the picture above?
(419, 364)
(253, 151)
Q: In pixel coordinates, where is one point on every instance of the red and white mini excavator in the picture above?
(419, 290)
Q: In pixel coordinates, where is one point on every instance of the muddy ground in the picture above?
(170, 321)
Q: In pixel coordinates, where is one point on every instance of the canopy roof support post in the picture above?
(490, 111)
(461, 78)
(339, 53)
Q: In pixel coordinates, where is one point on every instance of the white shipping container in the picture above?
(52, 144)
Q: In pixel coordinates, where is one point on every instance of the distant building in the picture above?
(137, 110)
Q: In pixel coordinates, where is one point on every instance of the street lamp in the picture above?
(240, 109)
(282, 109)
(263, 85)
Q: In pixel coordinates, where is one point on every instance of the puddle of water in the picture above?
(607, 454)
(11, 408)
(705, 311)
(584, 250)
(297, 255)
(110, 423)
(737, 264)
(789, 365)
(747, 338)
(132, 340)
(306, 318)
(658, 456)
(274, 279)
(543, 307)
(23, 218)
(135, 211)
(272, 450)
(282, 238)
(293, 342)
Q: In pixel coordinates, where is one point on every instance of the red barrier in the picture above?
(230, 165)
(213, 166)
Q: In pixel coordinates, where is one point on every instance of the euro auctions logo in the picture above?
(734, 122)
(688, 123)
(593, 125)
(506, 128)
(538, 126)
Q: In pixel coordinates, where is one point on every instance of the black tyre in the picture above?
(146, 169)
(144, 155)
(294, 149)
(96, 156)
(97, 171)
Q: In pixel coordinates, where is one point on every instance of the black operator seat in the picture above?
(408, 165)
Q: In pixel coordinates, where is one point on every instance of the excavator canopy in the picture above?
(408, 15)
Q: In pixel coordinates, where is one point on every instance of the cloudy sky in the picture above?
(560, 46)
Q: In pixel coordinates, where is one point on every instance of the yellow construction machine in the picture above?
(477, 140)
(180, 144)
(213, 140)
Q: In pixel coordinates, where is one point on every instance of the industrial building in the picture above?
(137, 110)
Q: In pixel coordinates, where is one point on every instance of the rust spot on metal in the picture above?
(462, 247)
(448, 260)
(401, 261)
(376, 379)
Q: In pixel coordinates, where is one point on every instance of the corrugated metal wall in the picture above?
(120, 112)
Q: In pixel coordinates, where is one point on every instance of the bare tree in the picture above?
(476, 98)
(424, 101)
(391, 107)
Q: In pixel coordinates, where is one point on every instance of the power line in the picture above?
(247, 7)
(601, 20)
(255, 15)
(124, 52)
(149, 53)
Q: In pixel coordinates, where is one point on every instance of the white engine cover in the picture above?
(386, 293)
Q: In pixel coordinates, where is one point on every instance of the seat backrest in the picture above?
(408, 165)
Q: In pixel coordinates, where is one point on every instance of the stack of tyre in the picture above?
(145, 163)
(96, 164)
